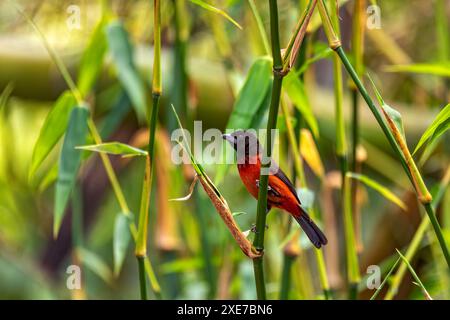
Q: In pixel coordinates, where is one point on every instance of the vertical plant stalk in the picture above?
(358, 25)
(358, 51)
(407, 162)
(298, 165)
(258, 242)
(141, 244)
(341, 152)
(180, 72)
(97, 139)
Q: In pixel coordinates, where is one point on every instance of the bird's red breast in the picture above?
(281, 195)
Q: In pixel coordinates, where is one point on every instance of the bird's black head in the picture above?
(244, 142)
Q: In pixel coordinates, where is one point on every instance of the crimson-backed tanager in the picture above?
(281, 192)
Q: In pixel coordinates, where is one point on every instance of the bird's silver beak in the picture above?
(228, 137)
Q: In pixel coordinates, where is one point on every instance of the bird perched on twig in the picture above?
(281, 192)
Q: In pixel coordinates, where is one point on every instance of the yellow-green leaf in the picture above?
(385, 192)
(442, 69)
(54, 126)
(211, 8)
(115, 148)
(440, 124)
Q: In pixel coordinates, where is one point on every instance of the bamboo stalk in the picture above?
(141, 244)
(97, 139)
(258, 242)
(407, 163)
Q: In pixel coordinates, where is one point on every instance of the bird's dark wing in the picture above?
(276, 171)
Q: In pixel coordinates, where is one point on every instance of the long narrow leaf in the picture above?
(250, 100)
(115, 148)
(122, 54)
(121, 241)
(96, 265)
(385, 192)
(92, 59)
(69, 162)
(442, 69)
(213, 9)
(440, 124)
(54, 126)
(296, 91)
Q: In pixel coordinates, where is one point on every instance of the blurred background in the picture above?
(205, 62)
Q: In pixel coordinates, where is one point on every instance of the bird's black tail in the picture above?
(312, 230)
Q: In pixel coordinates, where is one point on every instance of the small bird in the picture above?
(281, 192)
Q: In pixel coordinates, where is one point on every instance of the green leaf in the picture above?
(385, 192)
(54, 126)
(94, 263)
(213, 9)
(415, 276)
(388, 111)
(122, 56)
(442, 69)
(69, 162)
(115, 148)
(121, 241)
(296, 91)
(440, 124)
(250, 101)
(385, 280)
(322, 51)
(92, 59)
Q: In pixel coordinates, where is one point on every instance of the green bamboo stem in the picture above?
(141, 244)
(408, 164)
(299, 169)
(288, 261)
(142, 279)
(357, 49)
(180, 88)
(397, 150)
(97, 139)
(258, 242)
(341, 153)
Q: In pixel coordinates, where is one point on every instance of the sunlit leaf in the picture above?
(296, 91)
(384, 191)
(115, 148)
(422, 68)
(52, 130)
(211, 8)
(439, 125)
(122, 55)
(310, 153)
(69, 162)
(121, 241)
